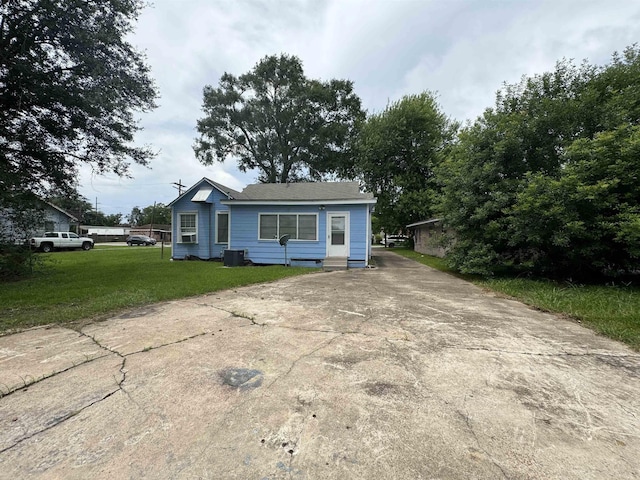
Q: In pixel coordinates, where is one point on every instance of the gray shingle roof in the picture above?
(229, 191)
(321, 191)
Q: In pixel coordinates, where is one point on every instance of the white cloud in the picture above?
(501, 46)
(463, 49)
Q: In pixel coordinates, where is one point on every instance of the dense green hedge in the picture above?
(548, 182)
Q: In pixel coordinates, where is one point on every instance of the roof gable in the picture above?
(62, 211)
(197, 196)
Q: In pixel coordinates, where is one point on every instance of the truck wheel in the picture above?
(46, 247)
(86, 246)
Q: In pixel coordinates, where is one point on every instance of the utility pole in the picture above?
(179, 186)
(153, 212)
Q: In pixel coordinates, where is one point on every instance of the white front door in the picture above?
(338, 234)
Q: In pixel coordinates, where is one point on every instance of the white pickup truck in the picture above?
(53, 240)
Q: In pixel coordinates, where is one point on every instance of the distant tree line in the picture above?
(84, 211)
(158, 214)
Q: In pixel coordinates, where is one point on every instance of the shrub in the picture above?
(16, 261)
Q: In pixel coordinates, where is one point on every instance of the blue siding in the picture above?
(244, 222)
(244, 234)
(359, 236)
(205, 248)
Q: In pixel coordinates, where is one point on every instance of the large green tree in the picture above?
(278, 121)
(70, 84)
(586, 220)
(396, 154)
(158, 214)
(547, 181)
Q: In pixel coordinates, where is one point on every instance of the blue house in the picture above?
(327, 223)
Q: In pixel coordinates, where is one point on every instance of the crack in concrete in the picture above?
(74, 413)
(46, 376)
(119, 383)
(148, 349)
(467, 420)
(308, 354)
(620, 456)
(93, 339)
(319, 330)
(542, 354)
(289, 327)
(144, 350)
(235, 314)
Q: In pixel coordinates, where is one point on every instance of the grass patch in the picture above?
(83, 285)
(109, 246)
(613, 311)
(434, 262)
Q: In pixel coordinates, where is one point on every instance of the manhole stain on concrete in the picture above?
(379, 389)
(241, 378)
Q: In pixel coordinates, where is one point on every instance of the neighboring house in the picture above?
(46, 217)
(326, 222)
(428, 237)
(102, 234)
(159, 232)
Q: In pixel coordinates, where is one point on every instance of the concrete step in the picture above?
(335, 263)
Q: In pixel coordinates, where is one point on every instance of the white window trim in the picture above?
(223, 212)
(297, 214)
(179, 229)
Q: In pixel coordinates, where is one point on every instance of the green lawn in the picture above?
(84, 285)
(613, 311)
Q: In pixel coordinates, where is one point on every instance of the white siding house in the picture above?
(46, 217)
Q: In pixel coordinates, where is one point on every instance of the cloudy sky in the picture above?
(463, 50)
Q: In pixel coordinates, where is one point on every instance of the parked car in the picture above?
(140, 240)
(60, 240)
(393, 240)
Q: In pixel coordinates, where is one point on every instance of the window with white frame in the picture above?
(299, 226)
(222, 227)
(188, 228)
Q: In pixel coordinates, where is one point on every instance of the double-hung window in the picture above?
(188, 228)
(222, 227)
(299, 226)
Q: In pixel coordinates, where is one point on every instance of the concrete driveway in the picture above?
(397, 372)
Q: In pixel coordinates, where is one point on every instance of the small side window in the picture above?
(188, 228)
(222, 227)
